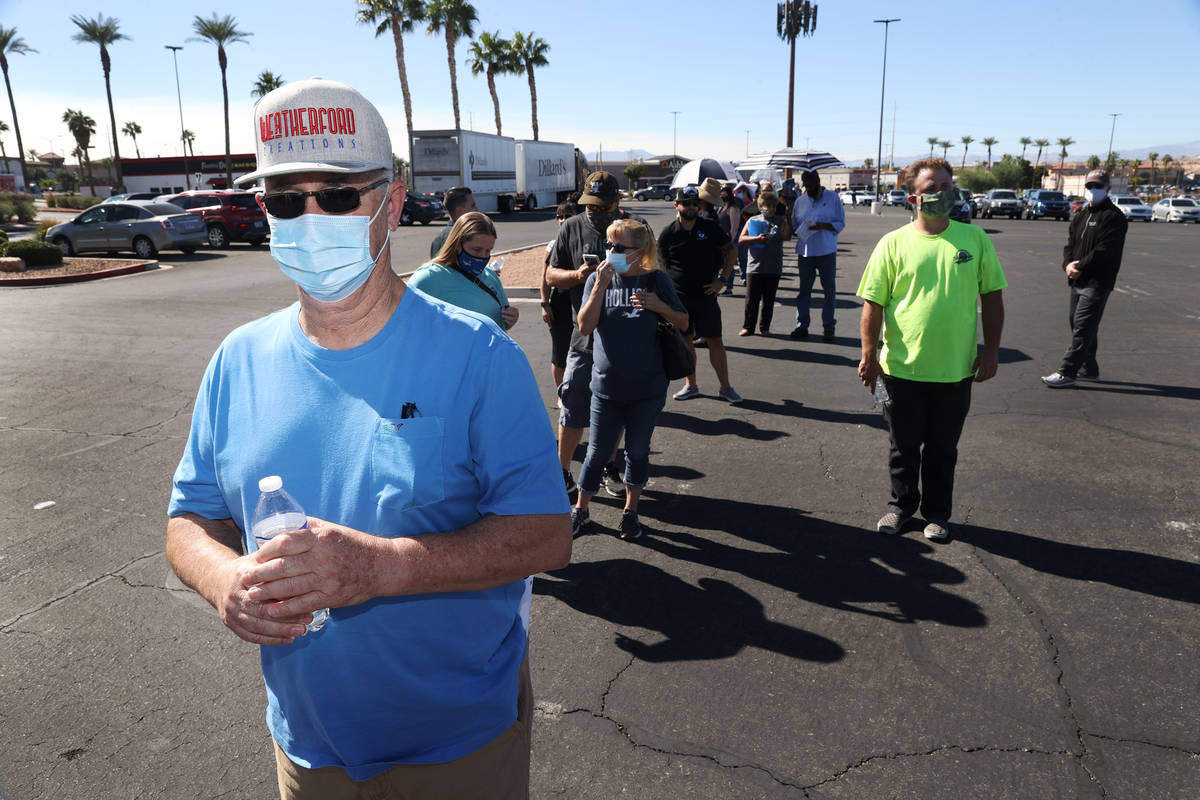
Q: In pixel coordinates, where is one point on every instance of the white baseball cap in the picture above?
(317, 126)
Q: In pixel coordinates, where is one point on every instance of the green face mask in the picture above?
(938, 204)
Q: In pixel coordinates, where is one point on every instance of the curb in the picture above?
(50, 280)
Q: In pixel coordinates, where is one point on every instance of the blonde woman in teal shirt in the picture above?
(459, 273)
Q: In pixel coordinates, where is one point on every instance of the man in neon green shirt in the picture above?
(920, 287)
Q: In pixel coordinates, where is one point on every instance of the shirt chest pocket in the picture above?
(406, 462)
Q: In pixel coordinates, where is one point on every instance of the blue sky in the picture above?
(618, 68)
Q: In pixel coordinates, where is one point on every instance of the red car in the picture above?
(228, 216)
(1076, 203)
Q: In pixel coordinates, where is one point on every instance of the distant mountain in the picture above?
(1177, 151)
(617, 155)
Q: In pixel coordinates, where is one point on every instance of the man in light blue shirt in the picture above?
(414, 436)
(817, 219)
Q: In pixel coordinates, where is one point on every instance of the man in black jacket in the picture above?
(1091, 259)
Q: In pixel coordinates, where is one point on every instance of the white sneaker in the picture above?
(730, 396)
(687, 392)
(1056, 380)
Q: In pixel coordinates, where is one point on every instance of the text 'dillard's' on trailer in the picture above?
(482, 161)
(545, 172)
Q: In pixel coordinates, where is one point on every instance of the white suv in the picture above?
(1132, 207)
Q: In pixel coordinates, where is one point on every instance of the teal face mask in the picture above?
(938, 204)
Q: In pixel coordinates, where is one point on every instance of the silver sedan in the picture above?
(1177, 209)
(145, 227)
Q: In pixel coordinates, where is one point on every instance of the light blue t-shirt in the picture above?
(414, 679)
(446, 283)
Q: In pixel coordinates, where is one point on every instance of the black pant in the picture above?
(925, 420)
(760, 288)
(1087, 307)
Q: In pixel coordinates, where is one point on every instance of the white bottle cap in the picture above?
(271, 483)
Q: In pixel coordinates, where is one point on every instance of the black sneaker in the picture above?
(799, 333)
(569, 481)
(579, 520)
(614, 483)
(828, 335)
(630, 529)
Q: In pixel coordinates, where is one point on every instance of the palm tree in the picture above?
(133, 130)
(398, 16)
(82, 127)
(988, 142)
(1041, 143)
(530, 51)
(1110, 163)
(1025, 142)
(221, 31)
(1166, 162)
(265, 83)
(1153, 166)
(966, 140)
(1093, 162)
(945, 144)
(103, 31)
(492, 55)
(3, 152)
(793, 18)
(11, 43)
(933, 142)
(454, 18)
(188, 138)
(1063, 143)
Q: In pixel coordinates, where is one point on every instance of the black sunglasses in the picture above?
(335, 200)
(619, 248)
(687, 203)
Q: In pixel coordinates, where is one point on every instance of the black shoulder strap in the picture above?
(475, 280)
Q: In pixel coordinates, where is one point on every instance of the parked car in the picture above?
(143, 226)
(1000, 202)
(897, 197)
(1133, 207)
(657, 191)
(1038, 203)
(1075, 202)
(117, 198)
(422, 208)
(228, 216)
(856, 197)
(1177, 209)
(961, 212)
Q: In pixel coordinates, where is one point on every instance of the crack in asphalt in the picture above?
(1048, 639)
(76, 589)
(935, 751)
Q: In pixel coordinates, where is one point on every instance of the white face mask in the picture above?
(1095, 195)
(329, 257)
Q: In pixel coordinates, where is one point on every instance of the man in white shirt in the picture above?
(817, 219)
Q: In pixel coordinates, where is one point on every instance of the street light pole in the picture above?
(747, 144)
(1110, 135)
(882, 88)
(675, 134)
(187, 179)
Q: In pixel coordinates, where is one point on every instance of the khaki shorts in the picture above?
(499, 770)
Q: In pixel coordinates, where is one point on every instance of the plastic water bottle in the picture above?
(881, 394)
(497, 265)
(278, 512)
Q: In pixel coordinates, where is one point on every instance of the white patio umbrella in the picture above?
(695, 171)
(791, 158)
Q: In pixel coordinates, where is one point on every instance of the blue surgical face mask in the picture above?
(328, 257)
(470, 263)
(619, 261)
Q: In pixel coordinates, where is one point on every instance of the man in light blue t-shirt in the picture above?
(414, 436)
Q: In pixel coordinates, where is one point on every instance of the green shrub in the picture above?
(34, 253)
(42, 227)
(20, 204)
(76, 201)
(7, 209)
(4, 238)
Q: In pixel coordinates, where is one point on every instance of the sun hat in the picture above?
(710, 191)
(317, 125)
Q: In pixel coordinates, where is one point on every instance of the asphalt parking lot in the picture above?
(761, 642)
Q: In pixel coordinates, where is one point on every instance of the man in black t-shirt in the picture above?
(699, 257)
